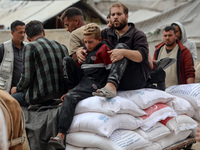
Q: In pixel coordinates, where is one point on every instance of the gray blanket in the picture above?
(41, 124)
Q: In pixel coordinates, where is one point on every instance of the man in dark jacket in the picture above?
(134, 51)
(182, 71)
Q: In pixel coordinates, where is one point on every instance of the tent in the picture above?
(48, 12)
(188, 14)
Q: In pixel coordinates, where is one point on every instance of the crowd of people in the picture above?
(97, 62)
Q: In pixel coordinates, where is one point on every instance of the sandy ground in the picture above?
(196, 146)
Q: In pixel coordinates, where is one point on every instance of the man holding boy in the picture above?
(92, 75)
(135, 53)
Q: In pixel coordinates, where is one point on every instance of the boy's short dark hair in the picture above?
(15, 24)
(34, 28)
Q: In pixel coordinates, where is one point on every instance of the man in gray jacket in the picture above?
(181, 36)
(11, 56)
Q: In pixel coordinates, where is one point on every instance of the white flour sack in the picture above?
(156, 113)
(119, 140)
(181, 106)
(146, 97)
(173, 138)
(92, 149)
(109, 107)
(180, 123)
(153, 146)
(70, 147)
(190, 92)
(103, 124)
(155, 132)
(193, 134)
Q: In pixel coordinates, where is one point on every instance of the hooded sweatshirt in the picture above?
(186, 42)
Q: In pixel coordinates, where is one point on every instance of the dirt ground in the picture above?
(196, 146)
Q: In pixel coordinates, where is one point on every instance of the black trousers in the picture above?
(124, 74)
(82, 87)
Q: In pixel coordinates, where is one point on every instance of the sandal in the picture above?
(57, 142)
(103, 92)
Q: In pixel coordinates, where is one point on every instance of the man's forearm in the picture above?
(133, 55)
(23, 84)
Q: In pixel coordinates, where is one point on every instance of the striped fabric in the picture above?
(42, 69)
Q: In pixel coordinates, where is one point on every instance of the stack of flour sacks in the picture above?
(144, 119)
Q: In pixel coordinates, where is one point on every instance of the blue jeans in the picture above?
(19, 98)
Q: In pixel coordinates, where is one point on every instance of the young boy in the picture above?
(92, 75)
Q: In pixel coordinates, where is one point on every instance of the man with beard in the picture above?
(130, 68)
(182, 71)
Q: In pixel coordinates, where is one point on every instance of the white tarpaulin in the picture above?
(188, 14)
(30, 10)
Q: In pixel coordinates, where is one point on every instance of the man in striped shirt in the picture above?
(42, 76)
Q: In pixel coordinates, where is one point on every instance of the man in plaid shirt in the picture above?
(42, 77)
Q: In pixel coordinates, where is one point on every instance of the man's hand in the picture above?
(14, 90)
(80, 55)
(116, 55)
(63, 97)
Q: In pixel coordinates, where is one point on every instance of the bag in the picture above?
(102, 124)
(119, 140)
